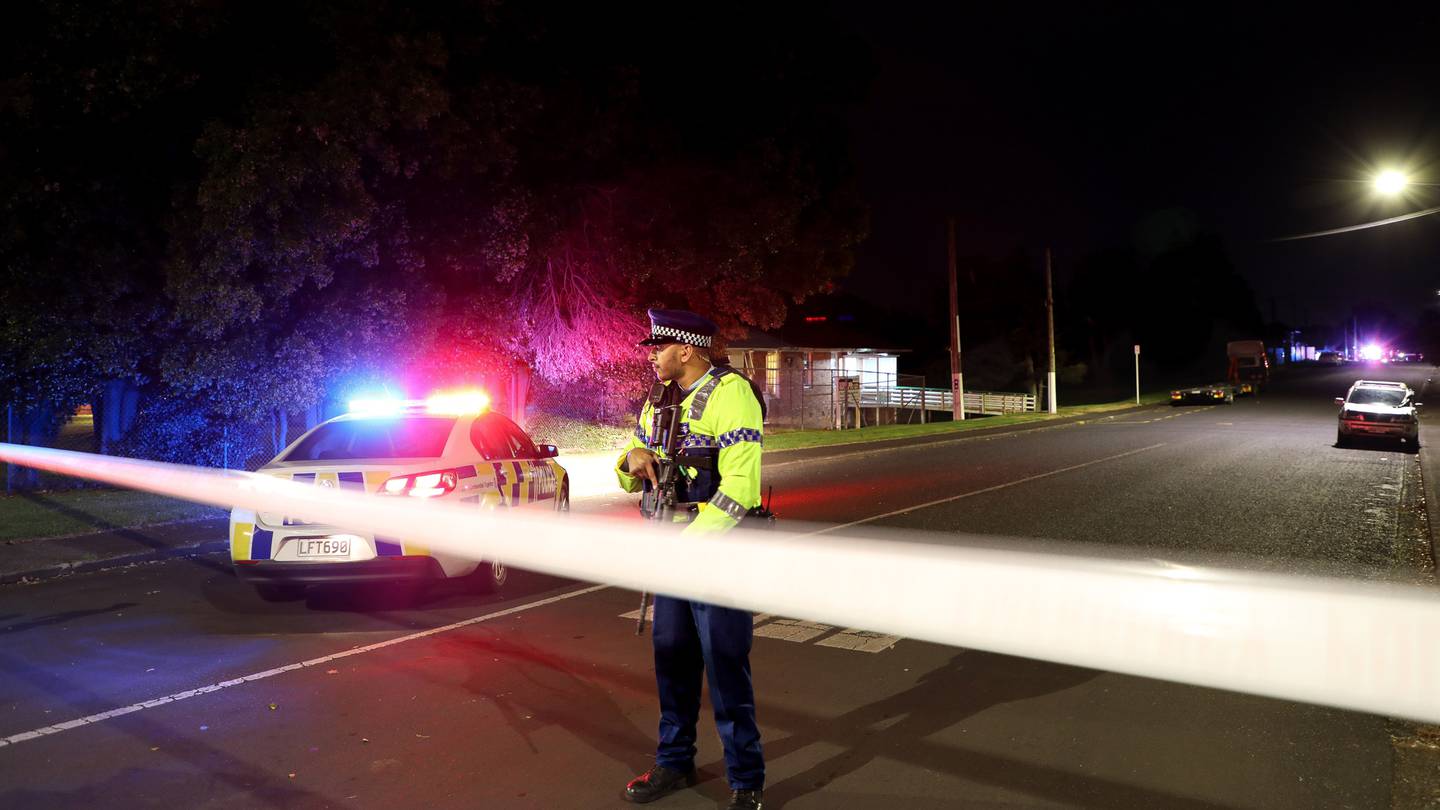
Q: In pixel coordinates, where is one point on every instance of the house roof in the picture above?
(811, 340)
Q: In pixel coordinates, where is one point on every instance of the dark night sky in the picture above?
(1071, 125)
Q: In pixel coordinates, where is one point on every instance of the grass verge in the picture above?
(37, 515)
(798, 439)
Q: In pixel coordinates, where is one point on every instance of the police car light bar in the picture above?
(461, 403)
(383, 406)
(1354, 645)
(458, 403)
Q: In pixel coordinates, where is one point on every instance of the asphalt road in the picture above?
(552, 705)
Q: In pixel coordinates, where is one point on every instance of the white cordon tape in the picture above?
(1373, 648)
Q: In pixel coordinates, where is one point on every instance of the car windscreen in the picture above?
(1377, 396)
(378, 437)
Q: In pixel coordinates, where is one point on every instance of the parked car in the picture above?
(1330, 359)
(1216, 394)
(1378, 409)
(446, 448)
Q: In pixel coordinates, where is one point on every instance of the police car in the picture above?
(448, 447)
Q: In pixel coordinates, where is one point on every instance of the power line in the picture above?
(1362, 226)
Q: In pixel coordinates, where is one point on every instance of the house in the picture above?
(819, 379)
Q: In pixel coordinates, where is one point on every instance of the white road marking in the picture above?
(793, 630)
(859, 641)
(635, 614)
(973, 493)
(215, 687)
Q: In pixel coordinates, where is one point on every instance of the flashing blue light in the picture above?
(379, 406)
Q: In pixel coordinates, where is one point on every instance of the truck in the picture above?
(1249, 366)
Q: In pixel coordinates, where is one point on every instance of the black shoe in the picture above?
(746, 800)
(656, 782)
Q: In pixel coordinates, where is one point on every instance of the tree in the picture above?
(84, 95)
(384, 192)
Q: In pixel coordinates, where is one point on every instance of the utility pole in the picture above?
(1050, 323)
(1137, 373)
(957, 378)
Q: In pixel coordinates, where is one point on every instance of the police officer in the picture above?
(721, 419)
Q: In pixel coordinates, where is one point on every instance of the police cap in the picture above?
(679, 326)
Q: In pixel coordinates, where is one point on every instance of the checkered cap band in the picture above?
(680, 336)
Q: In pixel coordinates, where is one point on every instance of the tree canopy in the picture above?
(255, 205)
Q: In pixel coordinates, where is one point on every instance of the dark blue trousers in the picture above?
(694, 639)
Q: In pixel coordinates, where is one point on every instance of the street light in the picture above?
(1391, 182)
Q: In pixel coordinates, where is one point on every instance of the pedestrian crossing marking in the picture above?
(792, 630)
(800, 632)
(859, 641)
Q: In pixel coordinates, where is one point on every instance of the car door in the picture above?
(495, 446)
(537, 471)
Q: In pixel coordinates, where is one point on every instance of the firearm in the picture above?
(658, 501)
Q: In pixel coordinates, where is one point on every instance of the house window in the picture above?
(772, 373)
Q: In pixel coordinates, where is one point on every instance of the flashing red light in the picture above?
(816, 319)
(423, 485)
(454, 403)
(458, 403)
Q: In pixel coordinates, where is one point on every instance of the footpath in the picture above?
(591, 476)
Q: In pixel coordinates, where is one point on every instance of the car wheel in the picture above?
(280, 593)
(490, 576)
(1341, 440)
(562, 501)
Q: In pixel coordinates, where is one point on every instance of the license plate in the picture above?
(312, 547)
